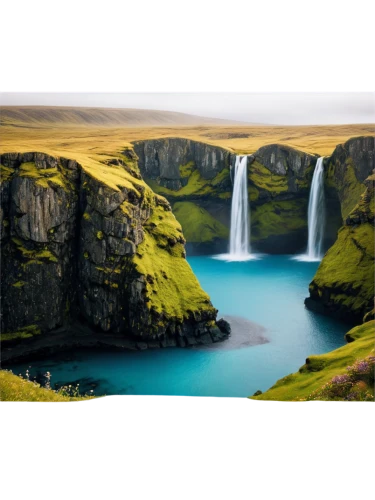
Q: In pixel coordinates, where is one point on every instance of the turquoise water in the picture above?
(269, 291)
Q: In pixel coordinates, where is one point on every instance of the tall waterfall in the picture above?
(239, 247)
(316, 214)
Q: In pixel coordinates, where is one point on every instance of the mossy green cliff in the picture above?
(77, 250)
(343, 286)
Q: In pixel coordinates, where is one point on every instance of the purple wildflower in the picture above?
(362, 366)
(340, 379)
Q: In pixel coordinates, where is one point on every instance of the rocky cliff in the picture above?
(78, 251)
(196, 178)
(279, 180)
(343, 286)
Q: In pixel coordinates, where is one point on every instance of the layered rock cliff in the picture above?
(343, 286)
(196, 178)
(78, 251)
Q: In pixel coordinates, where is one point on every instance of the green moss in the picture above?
(348, 186)
(19, 284)
(44, 177)
(5, 223)
(319, 370)
(34, 255)
(23, 333)
(198, 225)
(171, 286)
(196, 186)
(278, 218)
(100, 235)
(6, 173)
(225, 196)
(345, 278)
(347, 270)
(264, 180)
(187, 169)
(86, 216)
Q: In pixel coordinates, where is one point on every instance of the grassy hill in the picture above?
(321, 376)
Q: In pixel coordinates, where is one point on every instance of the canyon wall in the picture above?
(343, 286)
(76, 251)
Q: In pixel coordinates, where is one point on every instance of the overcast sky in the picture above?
(268, 108)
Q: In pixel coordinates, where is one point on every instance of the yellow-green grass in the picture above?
(198, 225)
(320, 369)
(171, 286)
(15, 388)
(91, 142)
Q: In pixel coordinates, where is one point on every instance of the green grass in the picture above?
(320, 369)
(198, 225)
(44, 177)
(171, 286)
(15, 388)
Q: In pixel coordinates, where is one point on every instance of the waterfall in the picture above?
(239, 223)
(316, 213)
(316, 216)
(239, 241)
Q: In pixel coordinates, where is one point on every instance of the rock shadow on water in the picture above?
(244, 333)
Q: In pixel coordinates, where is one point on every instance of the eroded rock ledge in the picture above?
(75, 251)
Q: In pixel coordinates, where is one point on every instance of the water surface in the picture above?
(269, 291)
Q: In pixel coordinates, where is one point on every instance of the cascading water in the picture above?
(239, 242)
(316, 213)
(316, 216)
(239, 224)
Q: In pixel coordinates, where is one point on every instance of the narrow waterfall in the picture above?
(316, 214)
(239, 247)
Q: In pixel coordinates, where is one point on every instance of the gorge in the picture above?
(94, 257)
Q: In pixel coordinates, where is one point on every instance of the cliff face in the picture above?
(196, 179)
(346, 170)
(343, 286)
(279, 180)
(76, 251)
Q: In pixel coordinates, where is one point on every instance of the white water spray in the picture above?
(316, 216)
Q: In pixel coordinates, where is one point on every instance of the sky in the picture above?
(266, 108)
